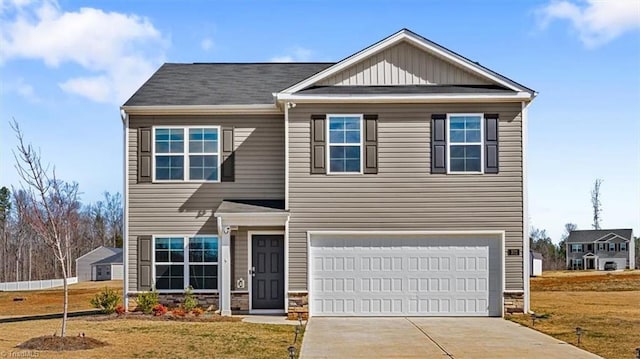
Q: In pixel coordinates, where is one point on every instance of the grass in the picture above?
(136, 338)
(605, 305)
(50, 301)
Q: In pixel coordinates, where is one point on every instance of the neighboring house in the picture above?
(592, 249)
(102, 263)
(390, 183)
(536, 264)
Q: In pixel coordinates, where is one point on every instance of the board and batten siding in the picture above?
(404, 195)
(181, 208)
(403, 64)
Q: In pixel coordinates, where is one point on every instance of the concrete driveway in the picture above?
(430, 338)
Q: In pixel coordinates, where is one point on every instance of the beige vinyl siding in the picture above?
(404, 195)
(403, 64)
(187, 208)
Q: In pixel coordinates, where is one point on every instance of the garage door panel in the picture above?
(400, 277)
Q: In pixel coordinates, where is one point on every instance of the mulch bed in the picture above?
(55, 343)
(204, 318)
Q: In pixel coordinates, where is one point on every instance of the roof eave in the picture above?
(252, 109)
(407, 98)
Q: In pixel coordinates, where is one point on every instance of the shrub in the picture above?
(197, 311)
(178, 312)
(106, 300)
(147, 300)
(120, 309)
(159, 310)
(190, 302)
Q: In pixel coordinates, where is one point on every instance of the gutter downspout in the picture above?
(125, 230)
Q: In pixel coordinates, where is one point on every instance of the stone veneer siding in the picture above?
(298, 305)
(239, 301)
(514, 302)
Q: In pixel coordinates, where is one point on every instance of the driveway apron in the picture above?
(430, 338)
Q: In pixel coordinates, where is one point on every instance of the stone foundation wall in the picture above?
(514, 302)
(207, 301)
(298, 305)
(240, 302)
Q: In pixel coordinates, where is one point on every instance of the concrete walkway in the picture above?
(430, 338)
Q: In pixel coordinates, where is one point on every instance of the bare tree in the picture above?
(5, 208)
(597, 205)
(113, 213)
(50, 208)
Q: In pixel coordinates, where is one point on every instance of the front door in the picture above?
(267, 257)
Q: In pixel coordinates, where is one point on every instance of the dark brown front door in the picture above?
(267, 256)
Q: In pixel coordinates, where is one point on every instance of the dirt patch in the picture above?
(55, 343)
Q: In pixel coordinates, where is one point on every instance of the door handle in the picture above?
(252, 271)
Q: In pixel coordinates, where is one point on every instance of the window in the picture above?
(345, 143)
(465, 143)
(576, 248)
(186, 261)
(576, 264)
(612, 247)
(623, 247)
(195, 160)
(601, 246)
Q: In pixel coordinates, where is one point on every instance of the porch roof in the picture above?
(251, 206)
(251, 213)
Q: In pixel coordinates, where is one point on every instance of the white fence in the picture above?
(35, 284)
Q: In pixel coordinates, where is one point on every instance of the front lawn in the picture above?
(139, 338)
(605, 305)
(49, 301)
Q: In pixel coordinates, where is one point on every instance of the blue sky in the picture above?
(65, 67)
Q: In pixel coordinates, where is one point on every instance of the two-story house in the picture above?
(602, 249)
(389, 183)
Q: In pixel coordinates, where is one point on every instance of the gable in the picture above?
(403, 64)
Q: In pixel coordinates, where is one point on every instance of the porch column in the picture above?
(225, 283)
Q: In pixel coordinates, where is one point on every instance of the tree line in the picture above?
(25, 256)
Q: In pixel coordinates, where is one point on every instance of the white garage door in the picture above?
(405, 277)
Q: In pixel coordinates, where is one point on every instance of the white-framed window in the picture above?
(183, 261)
(344, 150)
(465, 143)
(601, 246)
(623, 247)
(576, 263)
(190, 153)
(612, 247)
(576, 248)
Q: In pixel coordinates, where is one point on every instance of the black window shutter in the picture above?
(318, 144)
(491, 143)
(438, 143)
(370, 144)
(228, 172)
(145, 281)
(144, 155)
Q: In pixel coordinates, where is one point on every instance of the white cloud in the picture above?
(596, 21)
(20, 87)
(297, 54)
(118, 51)
(206, 44)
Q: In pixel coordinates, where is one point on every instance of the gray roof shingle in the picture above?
(220, 83)
(591, 235)
(116, 258)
